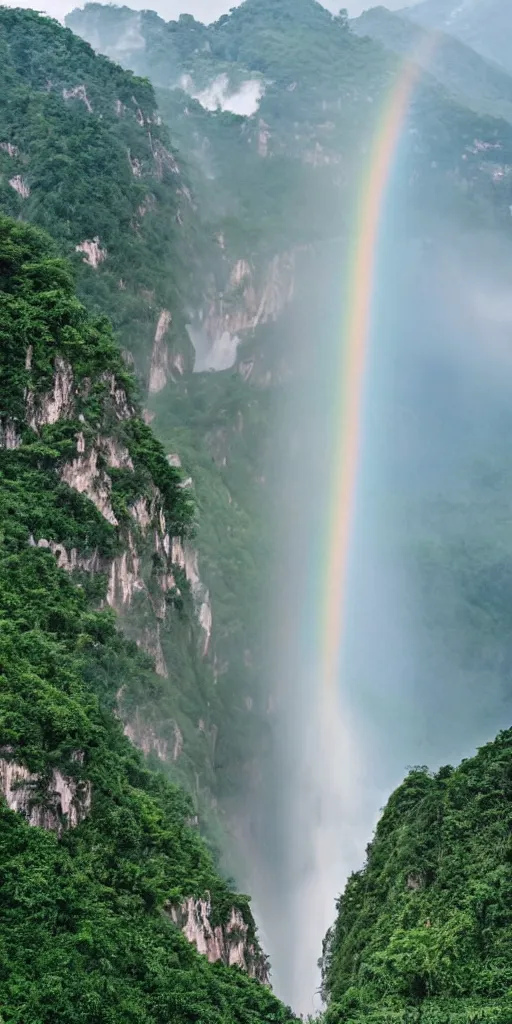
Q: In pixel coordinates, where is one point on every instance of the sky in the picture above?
(204, 10)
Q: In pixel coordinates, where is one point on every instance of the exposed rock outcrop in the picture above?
(146, 739)
(94, 253)
(56, 404)
(187, 559)
(7, 147)
(249, 299)
(60, 804)
(163, 160)
(69, 560)
(228, 942)
(84, 476)
(125, 578)
(9, 437)
(78, 93)
(159, 368)
(20, 186)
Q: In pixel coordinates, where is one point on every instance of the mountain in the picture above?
(107, 885)
(483, 24)
(423, 930)
(204, 202)
(85, 157)
(313, 93)
(473, 81)
(271, 117)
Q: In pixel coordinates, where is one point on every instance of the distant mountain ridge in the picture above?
(470, 78)
(486, 25)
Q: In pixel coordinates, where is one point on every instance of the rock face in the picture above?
(60, 804)
(93, 252)
(249, 299)
(159, 368)
(140, 575)
(9, 438)
(228, 942)
(55, 404)
(187, 559)
(85, 476)
(145, 738)
(20, 186)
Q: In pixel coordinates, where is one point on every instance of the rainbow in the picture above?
(353, 356)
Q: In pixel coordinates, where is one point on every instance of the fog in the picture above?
(424, 676)
(220, 96)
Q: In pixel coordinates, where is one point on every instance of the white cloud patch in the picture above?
(220, 96)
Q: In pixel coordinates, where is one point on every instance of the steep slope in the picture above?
(424, 930)
(84, 155)
(485, 25)
(473, 81)
(102, 864)
(323, 90)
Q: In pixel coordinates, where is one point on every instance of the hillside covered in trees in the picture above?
(424, 930)
(92, 896)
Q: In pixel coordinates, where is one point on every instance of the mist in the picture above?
(425, 669)
(219, 95)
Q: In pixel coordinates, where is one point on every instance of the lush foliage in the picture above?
(326, 91)
(85, 139)
(41, 320)
(278, 179)
(424, 931)
(86, 933)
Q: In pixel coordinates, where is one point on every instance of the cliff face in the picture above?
(252, 296)
(59, 803)
(137, 555)
(96, 848)
(227, 943)
(132, 234)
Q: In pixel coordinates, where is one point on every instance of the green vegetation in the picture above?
(263, 184)
(41, 321)
(86, 933)
(219, 424)
(473, 81)
(326, 91)
(424, 931)
(84, 138)
(484, 25)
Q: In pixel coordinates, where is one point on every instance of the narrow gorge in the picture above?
(182, 218)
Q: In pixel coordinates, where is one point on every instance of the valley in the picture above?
(181, 205)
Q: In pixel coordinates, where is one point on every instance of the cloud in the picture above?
(218, 95)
